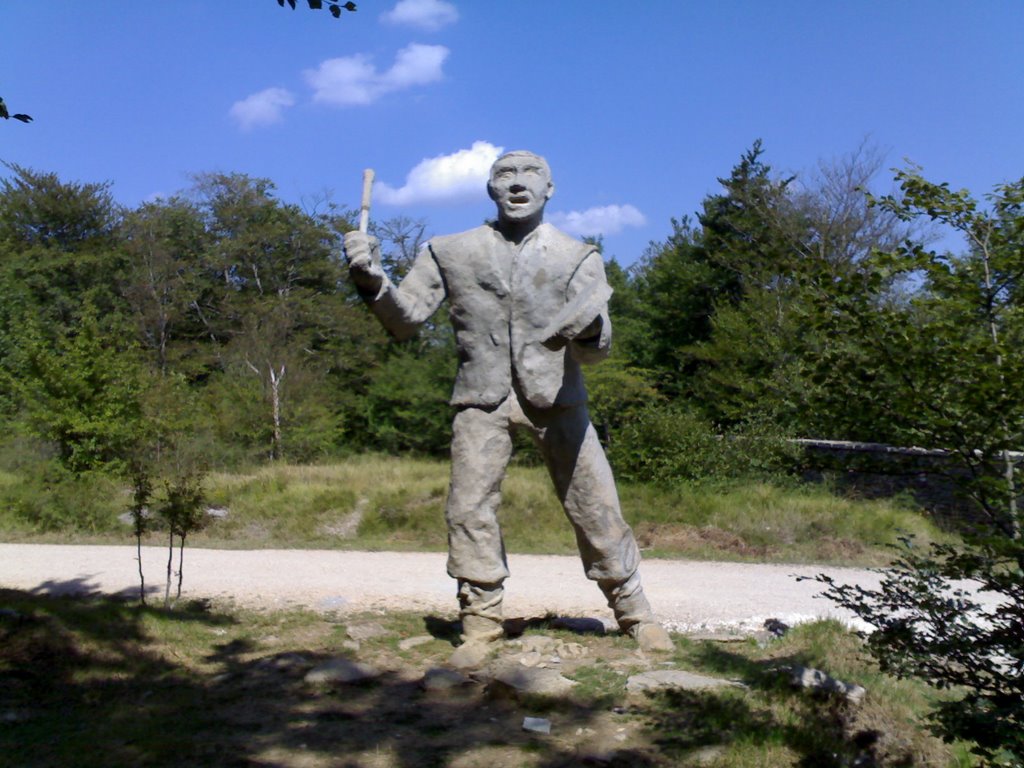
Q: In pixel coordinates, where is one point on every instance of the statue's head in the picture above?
(520, 185)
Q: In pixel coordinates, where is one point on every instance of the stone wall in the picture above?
(874, 470)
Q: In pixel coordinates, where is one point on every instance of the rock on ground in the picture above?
(674, 678)
(518, 680)
(341, 670)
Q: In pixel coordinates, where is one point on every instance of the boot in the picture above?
(633, 613)
(480, 611)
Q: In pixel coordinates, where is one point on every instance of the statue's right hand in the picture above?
(363, 254)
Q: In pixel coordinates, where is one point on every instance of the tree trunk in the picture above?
(275, 401)
(181, 564)
(170, 565)
(138, 551)
(1009, 468)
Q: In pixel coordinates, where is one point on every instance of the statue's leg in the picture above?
(585, 485)
(480, 610)
(481, 448)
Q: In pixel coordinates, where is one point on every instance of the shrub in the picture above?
(927, 626)
(49, 498)
(667, 444)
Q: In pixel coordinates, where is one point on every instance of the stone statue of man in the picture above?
(528, 305)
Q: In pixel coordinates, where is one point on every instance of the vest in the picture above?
(501, 297)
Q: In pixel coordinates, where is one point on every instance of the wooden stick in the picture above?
(364, 208)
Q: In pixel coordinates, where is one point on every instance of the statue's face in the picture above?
(520, 186)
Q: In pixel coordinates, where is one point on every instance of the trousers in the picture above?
(576, 462)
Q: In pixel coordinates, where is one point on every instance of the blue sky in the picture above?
(638, 106)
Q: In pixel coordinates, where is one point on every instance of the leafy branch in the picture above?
(334, 6)
(6, 115)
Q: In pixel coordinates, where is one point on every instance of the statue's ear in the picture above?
(551, 190)
(490, 191)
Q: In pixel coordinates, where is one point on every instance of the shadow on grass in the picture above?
(811, 727)
(90, 681)
(85, 681)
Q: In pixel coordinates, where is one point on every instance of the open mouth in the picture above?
(519, 199)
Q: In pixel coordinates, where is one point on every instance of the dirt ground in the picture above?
(687, 596)
(245, 680)
(410, 714)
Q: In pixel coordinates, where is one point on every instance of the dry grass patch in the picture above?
(380, 502)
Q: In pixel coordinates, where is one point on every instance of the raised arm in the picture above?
(400, 309)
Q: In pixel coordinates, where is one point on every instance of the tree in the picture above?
(681, 287)
(83, 391)
(400, 239)
(58, 245)
(946, 368)
(620, 387)
(142, 492)
(943, 366)
(273, 302)
(182, 510)
(162, 283)
(729, 307)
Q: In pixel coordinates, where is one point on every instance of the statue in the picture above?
(528, 305)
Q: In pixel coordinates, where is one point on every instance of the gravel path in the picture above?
(688, 596)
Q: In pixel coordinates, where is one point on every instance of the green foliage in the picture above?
(677, 286)
(618, 394)
(57, 246)
(275, 314)
(83, 392)
(44, 497)
(38, 209)
(181, 508)
(752, 363)
(669, 444)
(406, 400)
(181, 504)
(946, 368)
(164, 282)
(926, 625)
(730, 306)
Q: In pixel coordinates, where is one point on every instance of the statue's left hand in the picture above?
(589, 334)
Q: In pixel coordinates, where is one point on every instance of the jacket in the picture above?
(503, 299)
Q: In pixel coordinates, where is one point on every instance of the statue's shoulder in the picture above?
(558, 240)
(471, 239)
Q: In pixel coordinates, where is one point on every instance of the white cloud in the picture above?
(262, 108)
(603, 220)
(457, 176)
(354, 80)
(430, 15)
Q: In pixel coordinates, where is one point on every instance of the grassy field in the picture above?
(91, 682)
(374, 502)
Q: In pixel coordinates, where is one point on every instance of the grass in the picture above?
(98, 682)
(378, 502)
